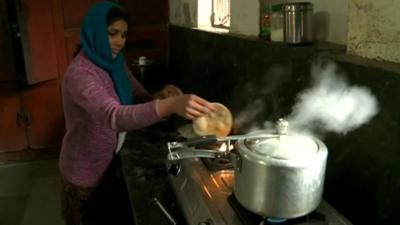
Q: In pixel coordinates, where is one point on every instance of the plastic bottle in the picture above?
(265, 20)
(271, 10)
(277, 22)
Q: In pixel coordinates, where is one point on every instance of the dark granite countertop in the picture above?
(143, 167)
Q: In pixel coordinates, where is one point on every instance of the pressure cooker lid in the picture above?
(283, 147)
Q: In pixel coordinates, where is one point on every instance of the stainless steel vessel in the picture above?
(298, 22)
(277, 175)
(280, 177)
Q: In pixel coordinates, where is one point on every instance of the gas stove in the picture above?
(204, 189)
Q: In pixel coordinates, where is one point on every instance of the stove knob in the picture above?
(174, 169)
(207, 222)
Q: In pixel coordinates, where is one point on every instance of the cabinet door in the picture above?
(12, 134)
(38, 39)
(12, 131)
(7, 73)
(149, 41)
(149, 12)
(73, 13)
(147, 34)
(46, 123)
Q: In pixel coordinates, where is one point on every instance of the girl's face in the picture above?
(117, 32)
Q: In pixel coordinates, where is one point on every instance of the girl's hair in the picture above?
(114, 14)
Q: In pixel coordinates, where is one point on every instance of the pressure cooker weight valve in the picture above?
(282, 126)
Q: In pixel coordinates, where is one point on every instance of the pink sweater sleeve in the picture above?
(97, 96)
(136, 116)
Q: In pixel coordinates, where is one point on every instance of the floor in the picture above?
(30, 192)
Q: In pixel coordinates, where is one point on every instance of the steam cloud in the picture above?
(249, 114)
(258, 91)
(331, 104)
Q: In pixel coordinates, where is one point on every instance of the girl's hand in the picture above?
(189, 106)
(167, 91)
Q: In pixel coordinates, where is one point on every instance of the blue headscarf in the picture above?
(95, 43)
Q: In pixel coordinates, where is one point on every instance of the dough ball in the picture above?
(217, 123)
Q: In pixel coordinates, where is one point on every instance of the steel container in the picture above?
(280, 177)
(277, 174)
(297, 19)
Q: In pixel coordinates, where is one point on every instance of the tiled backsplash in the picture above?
(363, 172)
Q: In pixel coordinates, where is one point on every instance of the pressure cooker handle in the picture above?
(203, 140)
(195, 153)
(212, 139)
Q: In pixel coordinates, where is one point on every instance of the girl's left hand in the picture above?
(168, 90)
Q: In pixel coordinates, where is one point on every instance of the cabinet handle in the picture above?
(23, 118)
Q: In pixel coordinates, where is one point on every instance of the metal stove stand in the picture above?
(204, 194)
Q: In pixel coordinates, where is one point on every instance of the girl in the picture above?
(101, 101)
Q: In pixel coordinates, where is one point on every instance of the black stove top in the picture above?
(249, 218)
(217, 164)
(204, 189)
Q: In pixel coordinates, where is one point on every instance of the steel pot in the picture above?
(276, 175)
(280, 177)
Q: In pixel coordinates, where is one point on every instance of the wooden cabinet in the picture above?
(12, 133)
(144, 13)
(147, 34)
(36, 25)
(73, 12)
(45, 126)
(6, 56)
(30, 100)
(12, 136)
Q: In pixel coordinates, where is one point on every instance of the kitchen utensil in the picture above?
(297, 19)
(280, 177)
(277, 174)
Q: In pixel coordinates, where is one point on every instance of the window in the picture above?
(221, 13)
(214, 15)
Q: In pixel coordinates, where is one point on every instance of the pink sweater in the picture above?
(93, 117)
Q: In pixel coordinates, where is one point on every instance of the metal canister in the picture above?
(298, 23)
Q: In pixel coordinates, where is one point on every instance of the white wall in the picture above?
(331, 17)
(330, 20)
(183, 12)
(374, 29)
(369, 28)
(245, 17)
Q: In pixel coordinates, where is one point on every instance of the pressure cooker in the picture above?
(277, 174)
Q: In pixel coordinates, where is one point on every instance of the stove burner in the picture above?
(249, 218)
(275, 221)
(217, 164)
